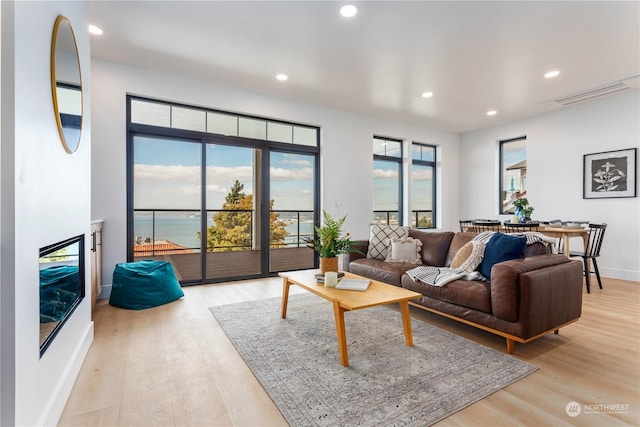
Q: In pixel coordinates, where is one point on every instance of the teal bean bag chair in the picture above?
(144, 284)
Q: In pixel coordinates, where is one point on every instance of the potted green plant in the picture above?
(330, 242)
(523, 210)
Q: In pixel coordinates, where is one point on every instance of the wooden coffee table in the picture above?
(378, 294)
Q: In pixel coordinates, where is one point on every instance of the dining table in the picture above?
(566, 233)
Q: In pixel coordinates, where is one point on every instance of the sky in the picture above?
(167, 175)
(385, 194)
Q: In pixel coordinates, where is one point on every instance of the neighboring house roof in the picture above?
(159, 247)
(519, 165)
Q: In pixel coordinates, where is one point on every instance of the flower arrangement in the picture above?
(330, 242)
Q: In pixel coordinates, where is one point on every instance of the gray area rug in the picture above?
(387, 383)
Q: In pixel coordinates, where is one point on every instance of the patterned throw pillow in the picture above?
(469, 256)
(406, 249)
(379, 239)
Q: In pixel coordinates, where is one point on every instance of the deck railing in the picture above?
(149, 246)
(419, 218)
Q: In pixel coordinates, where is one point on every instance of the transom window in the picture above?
(155, 113)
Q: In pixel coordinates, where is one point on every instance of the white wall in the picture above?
(51, 202)
(556, 143)
(346, 172)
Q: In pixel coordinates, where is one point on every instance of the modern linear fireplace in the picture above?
(61, 285)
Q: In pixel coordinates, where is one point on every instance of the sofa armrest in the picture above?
(362, 246)
(507, 279)
(550, 297)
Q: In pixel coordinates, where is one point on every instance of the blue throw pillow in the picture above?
(501, 247)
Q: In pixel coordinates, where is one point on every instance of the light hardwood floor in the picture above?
(173, 366)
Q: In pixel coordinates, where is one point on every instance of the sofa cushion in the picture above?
(469, 256)
(435, 245)
(501, 247)
(387, 272)
(406, 249)
(458, 241)
(466, 293)
(379, 236)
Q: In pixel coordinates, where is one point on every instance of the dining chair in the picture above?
(591, 252)
(521, 227)
(466, 225)
(480, 225)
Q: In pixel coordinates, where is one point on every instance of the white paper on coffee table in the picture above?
(353, 284)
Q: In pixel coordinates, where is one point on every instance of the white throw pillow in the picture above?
(379, 236)
(469, 256)
(405, 249)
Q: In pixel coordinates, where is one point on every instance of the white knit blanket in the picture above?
(531, 236)
(440, 276)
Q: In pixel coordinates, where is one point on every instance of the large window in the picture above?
(513, 172)
(423, 185)
(387, 181)
(220, 196)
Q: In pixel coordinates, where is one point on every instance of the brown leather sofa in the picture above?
(523, 300)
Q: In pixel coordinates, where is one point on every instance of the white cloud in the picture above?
(421, 174)
(297, 162)
(380, 173)
(159, 173)
(280, 174)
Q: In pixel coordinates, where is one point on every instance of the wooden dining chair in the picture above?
(521, 227)
(466, 225)
(591, 252)
(480, 225)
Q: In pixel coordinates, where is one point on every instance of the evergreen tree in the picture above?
(232, 230)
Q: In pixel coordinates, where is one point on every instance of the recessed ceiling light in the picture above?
(552, 74)
(348, 11)
(95, 30)
(282, 77)
(492, 113)
(427, 94)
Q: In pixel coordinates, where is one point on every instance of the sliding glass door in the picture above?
(167, 203)
(291, 211)
(233, 246)
(208, 222)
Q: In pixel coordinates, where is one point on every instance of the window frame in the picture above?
(204, 138)
(392, 159)
(428, 163)
(502, 171)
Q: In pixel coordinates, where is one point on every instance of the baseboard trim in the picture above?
(52, 414)
(617, 273)
(105, 293)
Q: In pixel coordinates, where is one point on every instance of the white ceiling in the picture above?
(474, 56)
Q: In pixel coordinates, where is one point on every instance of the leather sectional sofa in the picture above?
(523, 299)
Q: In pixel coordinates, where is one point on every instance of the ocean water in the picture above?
(183, 228)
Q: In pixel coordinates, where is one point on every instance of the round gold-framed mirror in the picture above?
(66, 84)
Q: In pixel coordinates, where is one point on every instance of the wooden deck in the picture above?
(227, 265)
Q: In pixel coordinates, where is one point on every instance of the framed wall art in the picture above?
(610, 174)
